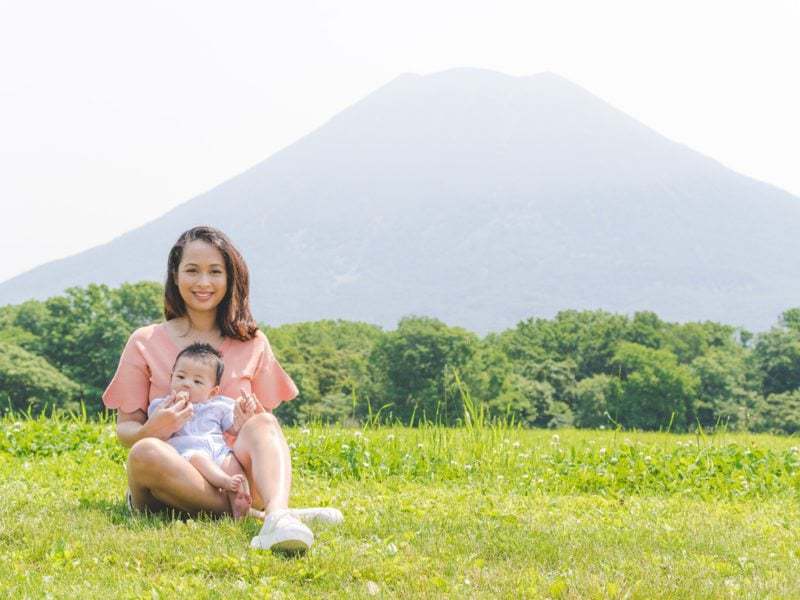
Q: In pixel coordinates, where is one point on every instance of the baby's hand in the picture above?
(170, 416)
(249, 403)
(246, 406)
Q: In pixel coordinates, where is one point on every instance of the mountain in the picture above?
(481, 199)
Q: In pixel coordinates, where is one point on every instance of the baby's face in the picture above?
(195, 377)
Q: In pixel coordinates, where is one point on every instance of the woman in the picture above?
(206, 301)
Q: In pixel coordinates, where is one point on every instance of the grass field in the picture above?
(429, 512)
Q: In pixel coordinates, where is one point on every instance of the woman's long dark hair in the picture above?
(233, 313)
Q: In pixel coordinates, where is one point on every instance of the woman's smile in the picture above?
(202, 278)
(203, 296)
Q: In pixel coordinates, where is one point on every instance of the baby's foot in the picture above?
(240, 498)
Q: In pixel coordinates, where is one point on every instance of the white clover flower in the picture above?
(602, 451)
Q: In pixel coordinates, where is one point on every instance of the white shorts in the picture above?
(189, 445)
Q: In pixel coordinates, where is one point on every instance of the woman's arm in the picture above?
(130, 427)
(166, 420)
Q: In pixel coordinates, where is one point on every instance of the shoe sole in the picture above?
(290, 547)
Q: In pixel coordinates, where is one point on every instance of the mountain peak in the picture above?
(480, 198)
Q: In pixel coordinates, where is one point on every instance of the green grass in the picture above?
(429, 512)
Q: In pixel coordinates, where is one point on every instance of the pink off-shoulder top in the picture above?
(146, 365)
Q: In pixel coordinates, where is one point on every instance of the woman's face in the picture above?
(202, 279)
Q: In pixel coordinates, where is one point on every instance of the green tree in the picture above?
(647, 329)
(533, 393)
(778, 413)
(29, 381)
(85, 335)
(83, 331)
(413, 364)
(776, 356)
(655, 387)
(329, 362)
(24, 325)
(689, 341)
(790, 319)
(594, 397)
(139, 304)
(587, 338)
(727, 392)
(331, 408)
(489, 373)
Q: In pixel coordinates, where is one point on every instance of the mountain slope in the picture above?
(481, 199)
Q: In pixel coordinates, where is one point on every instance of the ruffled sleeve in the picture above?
(271, 384)
(129, 390)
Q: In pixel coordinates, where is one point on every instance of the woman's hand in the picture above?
(170, 416)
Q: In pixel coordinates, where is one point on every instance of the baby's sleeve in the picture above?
(227, 415)
(271, 384)
(153, 406)
(129, 389)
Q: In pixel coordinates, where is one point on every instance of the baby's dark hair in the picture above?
(205, 353)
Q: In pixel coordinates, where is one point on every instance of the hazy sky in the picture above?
(112, 113)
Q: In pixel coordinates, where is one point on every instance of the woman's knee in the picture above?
(262, 421)
(146, 456)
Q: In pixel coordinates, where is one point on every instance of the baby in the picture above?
(195, 378)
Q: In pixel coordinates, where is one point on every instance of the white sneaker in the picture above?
(282, 532)
(318, 515)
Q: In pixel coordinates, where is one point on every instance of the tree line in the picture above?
(580, 368)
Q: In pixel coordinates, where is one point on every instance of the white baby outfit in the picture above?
(203, 432)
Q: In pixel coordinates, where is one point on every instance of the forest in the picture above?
(585, 369)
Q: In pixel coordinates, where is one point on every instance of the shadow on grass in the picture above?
(118, 515)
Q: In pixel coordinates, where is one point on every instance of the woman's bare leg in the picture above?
(159, 477)
(263, 453)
